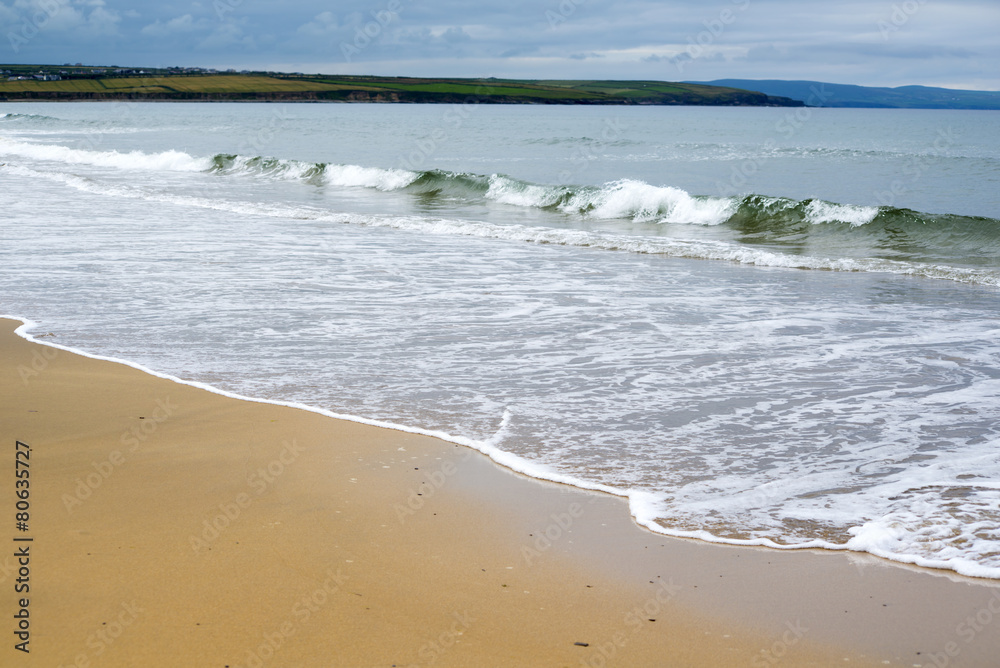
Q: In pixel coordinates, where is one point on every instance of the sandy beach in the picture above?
(171, 526)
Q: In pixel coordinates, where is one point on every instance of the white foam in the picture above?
(625, 199)
(506, 190)
(920, 533)
(368, 177)
(291, 170)
(818, 212)
(641, 201)
(176, 161)
(349, 176)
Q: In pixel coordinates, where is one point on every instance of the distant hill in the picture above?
(819, 94)
(69, 83)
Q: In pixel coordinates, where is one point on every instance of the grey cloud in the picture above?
(848, 41)
(454, 35)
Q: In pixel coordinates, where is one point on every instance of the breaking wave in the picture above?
(752, 229)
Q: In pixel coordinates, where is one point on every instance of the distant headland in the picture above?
(44, 83)
(820, 94)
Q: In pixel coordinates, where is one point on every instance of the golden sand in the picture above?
(172, 526)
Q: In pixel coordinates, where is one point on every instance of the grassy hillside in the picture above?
(94, 84)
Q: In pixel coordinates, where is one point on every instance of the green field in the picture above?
(178, 84)
(85, 84)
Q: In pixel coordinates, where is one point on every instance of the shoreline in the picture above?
(517, 465)
(306, 100)
(206, 528)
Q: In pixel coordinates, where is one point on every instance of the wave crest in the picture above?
(810, 233)
(172, 161)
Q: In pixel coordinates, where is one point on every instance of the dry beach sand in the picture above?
(172, 526)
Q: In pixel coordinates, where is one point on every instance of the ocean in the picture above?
(762, 326)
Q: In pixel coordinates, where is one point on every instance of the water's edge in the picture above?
(641, 504)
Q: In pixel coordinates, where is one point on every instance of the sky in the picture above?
(950, 43)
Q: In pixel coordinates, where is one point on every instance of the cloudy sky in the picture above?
(951, 43)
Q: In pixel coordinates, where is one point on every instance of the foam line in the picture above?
(642, 505)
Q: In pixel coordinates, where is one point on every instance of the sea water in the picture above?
(763, 326)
